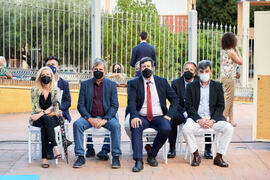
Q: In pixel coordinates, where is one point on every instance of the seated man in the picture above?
(147, 96)
(98, 105)
(179, 85)
(204, 103)
(4, 72)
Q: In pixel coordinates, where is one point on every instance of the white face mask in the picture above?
(204, 77)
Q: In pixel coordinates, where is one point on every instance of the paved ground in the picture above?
(247, 160)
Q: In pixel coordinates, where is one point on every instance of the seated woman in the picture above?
(117, 74)
(4, 72)
(45, 99)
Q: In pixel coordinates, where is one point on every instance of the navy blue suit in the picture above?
(136, 96)
(110, 107)
(142, 50)
(66, 99)
(110, 99)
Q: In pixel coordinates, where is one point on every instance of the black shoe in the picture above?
(116, 162)
(103, 155)
(152, 161)
(90, 152)
(208, 154)
(79, 162)
(171, 153)
(138, 166)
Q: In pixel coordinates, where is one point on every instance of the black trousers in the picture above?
(47, 124)
(177, 120)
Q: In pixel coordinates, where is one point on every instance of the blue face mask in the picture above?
(53, 69)
(138, 73)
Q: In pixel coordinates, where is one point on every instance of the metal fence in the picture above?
(31, 30)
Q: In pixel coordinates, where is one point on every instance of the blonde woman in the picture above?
(44, 98)
(230, 58)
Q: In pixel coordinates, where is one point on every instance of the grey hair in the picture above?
(190, 62)
(99, 61)
(203, 64)
(2, 58)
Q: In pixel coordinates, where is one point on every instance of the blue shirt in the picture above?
(204, 109)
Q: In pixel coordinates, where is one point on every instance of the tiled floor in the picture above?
(248, 160)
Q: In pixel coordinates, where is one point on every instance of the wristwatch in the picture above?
(44, 112)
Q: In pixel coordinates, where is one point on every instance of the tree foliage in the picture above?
(223, 11)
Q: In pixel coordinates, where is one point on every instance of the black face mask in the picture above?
(188, 75)
(118, 70)
(98, 74)
(46, 79)
(147, 73)
(53, 69)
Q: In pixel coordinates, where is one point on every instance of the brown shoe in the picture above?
(220, 162)
(148, 148)
(196, 159)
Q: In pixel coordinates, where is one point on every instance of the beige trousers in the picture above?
(228, 85)
(191, 127)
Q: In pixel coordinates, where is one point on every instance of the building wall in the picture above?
(164, 7)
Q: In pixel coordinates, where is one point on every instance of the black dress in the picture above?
(47, 124)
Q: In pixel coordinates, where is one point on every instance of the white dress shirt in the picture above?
(156, 108)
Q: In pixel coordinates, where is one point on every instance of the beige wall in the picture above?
(261, 67)
(15, 99)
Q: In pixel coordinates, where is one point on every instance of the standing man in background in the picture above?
(143, 50)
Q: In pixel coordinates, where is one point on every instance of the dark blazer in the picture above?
(142, 50)
(110, 99)
(178, 86)
(66, 99)
(136, 96)
(216, 102)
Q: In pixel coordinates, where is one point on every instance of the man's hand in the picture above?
(136, 122)
(101, 122)
(206, 123)
(209, 123)
(167, 117)
(201, 122)
(93, 122)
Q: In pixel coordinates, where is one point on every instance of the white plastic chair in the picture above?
(98, 133)
(151, 134)
(34, 138)
(180, 138)
(202, 134)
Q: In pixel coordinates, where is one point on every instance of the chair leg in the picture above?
(180, 143)
(130, 147)
(165, 152)
(110, 148)
(29, 147)
(37, 143)
(84, 141)
(66, 130)
(186, 151)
